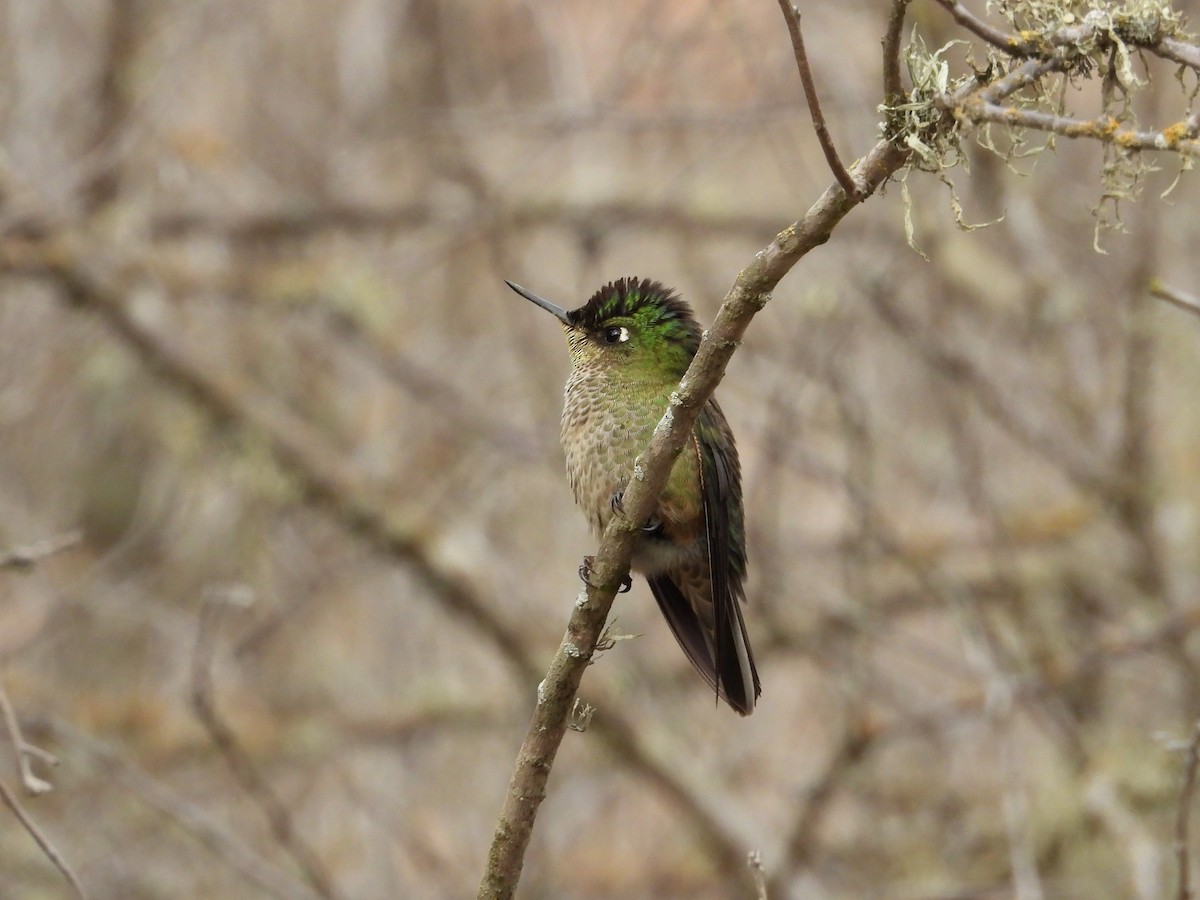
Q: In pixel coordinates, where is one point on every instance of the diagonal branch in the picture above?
(792, 16)
(24, 558)
(556, 694)
(241, 764)
(32, 783)
(1174, 297)
(99, 277)
(10, 800)
(1009, 43)
(226, 846)
(1184, 814)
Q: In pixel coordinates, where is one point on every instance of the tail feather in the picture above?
(720, 652)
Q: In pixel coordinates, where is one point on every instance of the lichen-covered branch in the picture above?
(1177, 138)
(1013, 90)
(1017, 85)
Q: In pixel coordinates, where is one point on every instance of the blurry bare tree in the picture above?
(284, 542)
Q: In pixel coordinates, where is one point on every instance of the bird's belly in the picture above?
(653, 555)
(601, 448)
(601, 440)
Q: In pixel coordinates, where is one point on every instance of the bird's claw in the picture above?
(616, 503)
(585, 575)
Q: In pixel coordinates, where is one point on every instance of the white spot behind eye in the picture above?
(613, 334)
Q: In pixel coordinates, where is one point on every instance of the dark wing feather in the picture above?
(685, 625)
(721, 488)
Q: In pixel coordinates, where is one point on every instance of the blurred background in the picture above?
(269, 375)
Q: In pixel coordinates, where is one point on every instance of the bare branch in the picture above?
(857, 740)
(556, 694)
(1009, 43)
(1083, 469)
(792, 16)
(402, 215)
(1175, 297)
(239, 761)
(98, 277)
(754, 861)
(893, 88)
(1183, 816)
(26, 557)
(230, 848)
(14, 805)
(1130, 834)
(22, 750)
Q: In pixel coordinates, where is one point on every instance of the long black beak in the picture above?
(557, 311)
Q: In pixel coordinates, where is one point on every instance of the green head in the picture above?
(639, 327)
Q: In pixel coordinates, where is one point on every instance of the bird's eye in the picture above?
(615, 334)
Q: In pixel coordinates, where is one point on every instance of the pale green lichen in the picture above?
(922, 123)
(927, 126)
(1086, 39)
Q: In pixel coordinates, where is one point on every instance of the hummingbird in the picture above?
(630, 345)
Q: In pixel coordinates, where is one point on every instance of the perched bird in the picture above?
(630, 345)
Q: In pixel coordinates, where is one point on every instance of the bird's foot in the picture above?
(585, 575)
(653, 526)
(617, 502)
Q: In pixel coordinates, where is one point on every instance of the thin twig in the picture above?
(893, 89)
(800, 843)
(1128, 828)
(958, 368)
(1174, 297)
(754, 861)
(1183, 817)
(239, 761)
(47, 847)
(32, 784)
(26, 557)
(1009, 43)
(1029, 72)
(792, 16)
(228, 847)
